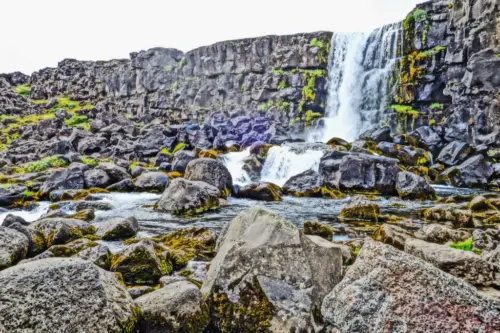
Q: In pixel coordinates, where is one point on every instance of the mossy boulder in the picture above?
(36, 239)
(142, 263)
(305, 184)
(65, 295)
(176, 307)
(188, 244)
(256, 282)
(64, 195)
(84, 215)
(318, 229)
(185, 197)
(437, 233)
(61, 230)
(412, 186)
(480, 204)
(98, 254)
(119, 228)
(262, 191)
(360, 208)
(13, 247)
(407, 155)
(212, 172)
(392, 235)
(449, 213)
(71, 248)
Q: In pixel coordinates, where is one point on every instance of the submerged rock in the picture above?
(212, 172)
(360, 208)
(262, 191)
(384, 288)
(176, 307)
(64, 295)
(269, 276)
(184, 197)
(13, 247)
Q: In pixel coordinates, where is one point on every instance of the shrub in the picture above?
(46, 163)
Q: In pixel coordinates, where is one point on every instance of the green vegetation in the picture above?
(77, 120)
(182, 63)
(244, 87)
(402, 114)
(265, 106)
(165, 151)
(466, 245)
(436, 106)
(173, 86)
(282, 85)
(434, 51)
(419, 15)
(283, 106)
(23, 90)
(167, 68)
(310, 115)
(44, 164)
(317, 43)
(89, 161)
(323, 51)
(432, 122)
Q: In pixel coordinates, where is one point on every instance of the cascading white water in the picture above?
(234, 163)
(284, 162)
(358, 80)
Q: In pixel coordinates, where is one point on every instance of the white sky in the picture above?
(40, 33)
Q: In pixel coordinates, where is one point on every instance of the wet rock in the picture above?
(212, 172)
(245, 283)
(61, 230)
(360, 208)
(454, 153)
(96, 178)
(449, 213)
(385, 286)
(463, 264)
(176, 307)
(11, 194)
(480, 203)
(392, 235)
(84, 215)
(89, 298)
(125, 185)
(182, 159)
(119, 228)
(436, 233)
(115, 172)
(13, 247)
(262, 191)
(412, 186)
(63, 195)
(11, 219)
(306, 184)
(142, 263)
(152, 182)
(183, 197)
(381, 134)
(95, 205)
(318, 229)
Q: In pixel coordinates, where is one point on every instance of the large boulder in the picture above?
(268, 276)
(474, 172)
(71, 178)
(36, 239)
(176, 307)
(407, 155)
(360, 208)
(262, 191)
(64, 295)
(119, 228)
(449, 213)
(96, 178)
(441, 234)
(392, 235)
(13, 247)
(184, 197)
(428, 137)
(454, 153)
(463, 264)
(116, 173)
(142, 263)
(61, 230)
(306, 184)
(387, 290)
(359, 172)
(152, 181)
(412, 186)
(212, 172)
(11, 194)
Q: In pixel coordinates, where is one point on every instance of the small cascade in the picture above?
(234, 163)
(286, 161)
(359, 70)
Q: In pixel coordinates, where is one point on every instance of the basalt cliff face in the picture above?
(271, 89)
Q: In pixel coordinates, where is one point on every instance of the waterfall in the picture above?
(234, 163)
(359, 69)
(286, 161)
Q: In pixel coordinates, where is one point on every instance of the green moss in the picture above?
(182, 63)
(282, 85)
(77, 120)
(420, 15)
(265, 106)
(283, 105)
(23, 90)
(89, 161)
(310, 115)
(318, 229)
(46, 163)
(466, 245)
(179, 146)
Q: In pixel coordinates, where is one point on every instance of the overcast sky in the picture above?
(40, 33)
